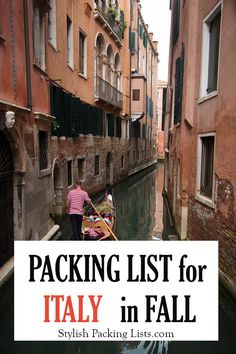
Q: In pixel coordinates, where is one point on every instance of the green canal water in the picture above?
(140, 216)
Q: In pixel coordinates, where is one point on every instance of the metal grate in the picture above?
(6, 201)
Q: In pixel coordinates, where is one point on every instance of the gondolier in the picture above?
(75, 208)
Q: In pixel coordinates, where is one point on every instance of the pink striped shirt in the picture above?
(76, 199)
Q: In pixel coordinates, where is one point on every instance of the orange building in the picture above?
(200, 157)
(89, 72)
(25, 164)
(65, 107)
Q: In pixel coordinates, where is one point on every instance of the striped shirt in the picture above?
(76, 199)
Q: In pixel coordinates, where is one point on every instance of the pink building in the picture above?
(201, 126)
(161, 106)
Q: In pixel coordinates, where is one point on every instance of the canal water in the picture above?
(140, 216)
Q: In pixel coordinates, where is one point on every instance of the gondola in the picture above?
(100, 225)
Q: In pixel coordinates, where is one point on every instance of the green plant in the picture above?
(124, 26)
(113, 11)
(56, 126)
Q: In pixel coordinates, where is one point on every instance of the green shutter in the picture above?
(145, 40)
(144, 131)
(141, 31)
(179, 72)
(163, 108)
(131, 41)
(176, 15)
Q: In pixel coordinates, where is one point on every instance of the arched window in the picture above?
(116, 81)
(100, 49)
(110, 63)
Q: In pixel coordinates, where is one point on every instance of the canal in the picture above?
(140, 216)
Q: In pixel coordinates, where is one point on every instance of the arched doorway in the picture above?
(109, 169)
(6, 200)
(57, 186)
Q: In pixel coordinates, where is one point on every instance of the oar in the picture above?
(107, 226)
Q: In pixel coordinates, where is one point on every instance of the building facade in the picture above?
(144, 60)
(161, 112)
(25, 172)
(65, 108)
(200, 126)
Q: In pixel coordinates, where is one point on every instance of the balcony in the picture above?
(112, 22)
(107, 93)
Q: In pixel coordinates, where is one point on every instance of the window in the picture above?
(205, 167)
(150, 107)
(82, 53)
(122, 161)
(52, 34)
(80, 168)
(69, 173)
(131, 41)
(136, 95)
(69, 43)
(96, 169)
(179, 73)
(210, 52)
(207, 162)
(39, 36)
(43, 150)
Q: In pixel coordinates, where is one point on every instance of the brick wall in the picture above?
(205, 223)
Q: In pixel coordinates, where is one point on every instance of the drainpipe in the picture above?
(27, 55)
(151, 96)
(130, 90)
(146, 103)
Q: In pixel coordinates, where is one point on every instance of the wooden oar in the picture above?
(107, 226)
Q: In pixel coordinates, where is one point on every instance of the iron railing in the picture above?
(109, 15)
(108, 93)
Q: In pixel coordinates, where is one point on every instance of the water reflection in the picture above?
(139, 206)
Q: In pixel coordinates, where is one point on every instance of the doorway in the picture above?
(6, 201)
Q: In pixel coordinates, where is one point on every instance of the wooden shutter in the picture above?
(136, 95)
(163, 108)
(132, 42)
(179, 72)
(176, 15)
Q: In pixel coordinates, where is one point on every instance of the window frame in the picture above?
(52, 24)
(205, 54)
(39, 37)
(70, 160)
(70, 43)
(96, 164)
(81, 158)
(122, 161)
(207, 200)
(84, 57)
(40, 148)
(136, 95)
